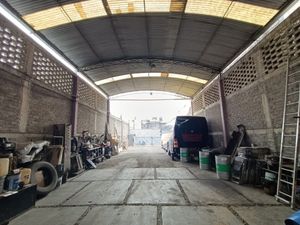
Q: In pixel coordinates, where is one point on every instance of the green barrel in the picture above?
(223, 166)
(203, 160)
(184, 154)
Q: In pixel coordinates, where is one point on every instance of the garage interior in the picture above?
(61, 61)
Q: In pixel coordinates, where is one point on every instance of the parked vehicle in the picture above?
(189, 132)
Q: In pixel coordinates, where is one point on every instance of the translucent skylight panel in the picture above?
(126, 6)
(177, 6)
(250, 13)
(85, 10)
(234, 10)
(105, 81)
(215, 8)
(122, 77)
(137, 75)
(82, 10)
(158, 6)
(65, 14)
(47, 18)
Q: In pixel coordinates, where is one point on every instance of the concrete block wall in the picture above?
(119, 129)
(10, 103)
(254, 89)
(207, 105)
(90, 119)
(29, 110)
(45, 109)
(36, 92)
(92, 110)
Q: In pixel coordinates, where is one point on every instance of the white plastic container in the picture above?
(184, 154)
(223, 166)
(204, 160)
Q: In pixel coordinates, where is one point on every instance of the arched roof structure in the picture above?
(113, 38)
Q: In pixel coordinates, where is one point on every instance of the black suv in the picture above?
(189, 132)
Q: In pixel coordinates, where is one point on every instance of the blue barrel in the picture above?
(294, 219)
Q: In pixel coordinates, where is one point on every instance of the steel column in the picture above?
(223, 111)
(74, 112)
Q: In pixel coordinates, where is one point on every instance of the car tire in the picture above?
(173, 157)
(49, 173)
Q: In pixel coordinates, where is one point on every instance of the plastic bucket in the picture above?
(204, 160)
(184, 154)
(2, 179)
(223, 166)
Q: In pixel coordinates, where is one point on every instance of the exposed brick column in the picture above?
(26, 89)
(265, 100)
(24, 109)
(107, 117)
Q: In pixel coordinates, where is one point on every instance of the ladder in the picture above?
(289, 147)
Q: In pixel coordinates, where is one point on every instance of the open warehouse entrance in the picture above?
(62, 61)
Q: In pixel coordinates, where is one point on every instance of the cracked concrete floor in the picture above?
(143, 186)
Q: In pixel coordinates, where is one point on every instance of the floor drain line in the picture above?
(83, 215)
(197, 178)
(76, 193)
(129, 191)
(235, 213)
(240, 193)
(183, 193)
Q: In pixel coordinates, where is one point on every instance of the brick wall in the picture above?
(92, 110)
(47, 108)
(254, 89)
(29, 110)
(91, 120)
(10, 102)
(36, 91)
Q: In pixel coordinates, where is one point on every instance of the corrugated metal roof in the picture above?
(207, 33)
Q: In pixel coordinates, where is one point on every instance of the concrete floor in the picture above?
(143, 186)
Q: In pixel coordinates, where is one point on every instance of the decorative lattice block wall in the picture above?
(243, 74)
(12, 48)
(51, 73)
